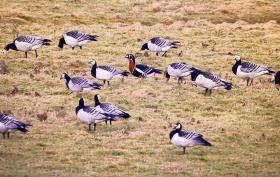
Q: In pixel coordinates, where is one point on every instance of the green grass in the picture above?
(242, 124)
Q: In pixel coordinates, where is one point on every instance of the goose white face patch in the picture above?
(5, 52)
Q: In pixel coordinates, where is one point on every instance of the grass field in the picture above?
(242, 124)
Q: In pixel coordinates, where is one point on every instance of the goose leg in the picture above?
(247, 82)
(104, 82)
(8, 135)
(179, 80)
(251, 82)
(164, 53)
(94, 126)
(110, 121)
(108, 83)
(210, 92)
(106, 121)
(3, 135)
(81, 47)
(36, 54)
(25, 54)
(184, 150)
(206, 92)
(157, 54)
(89, 127)
(72, 48)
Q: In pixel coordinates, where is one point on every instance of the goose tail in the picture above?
(202, 142)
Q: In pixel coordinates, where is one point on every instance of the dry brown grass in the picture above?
(242, 124)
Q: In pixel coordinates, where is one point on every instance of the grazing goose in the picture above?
(105, 73)
(109, 109)
(90, 115)
(178, 70)
(26, 43)
(76, 38)
(158, 44)
(8, 124)
(79, 84)
(208, 81)
(186, 139)
(140, 70)
(277, 80)
(248, 70)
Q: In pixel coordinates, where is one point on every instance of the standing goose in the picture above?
(184, 139)
(105, 73)
(26, 43)
(277, 80)
(140, 70)
(109, 109)
(248, 70)
(158, 44)
(178, 70)
(8, 124)
(79, 84)
(90, 115)
(208, 81)
(76, 38)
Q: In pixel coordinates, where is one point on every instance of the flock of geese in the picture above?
(104, 112)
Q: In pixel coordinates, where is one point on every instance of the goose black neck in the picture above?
(61, 42)
(194, 74)
(166, 74)
(93, 70)
(67, 78)
(96, 100)
(145, 47)
(80, 106)
(173, 132)
(11, 46)
(235, 66)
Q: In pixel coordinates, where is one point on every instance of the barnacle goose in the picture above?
(105, 73)
(90, 115)
(76, 38)
(141, 70)
(208, 81)
(9, 124)
(277, 80)
(248, 70)
(178, 70)
(26, 43)
(109, 109)
(186, 139)
(158, 44)
(79, 84)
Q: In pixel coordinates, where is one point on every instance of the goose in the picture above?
(185, 139)
(248, 70)
(109, 109)
(25, 44)
(158, 44)
(76, 38)
(90, 115)
(9, 124)
(277, 80)
(79, 84)
(140, 70)
(105, 73)
(178, 70)
(208, 81)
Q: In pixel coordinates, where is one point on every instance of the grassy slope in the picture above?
(242, 124)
